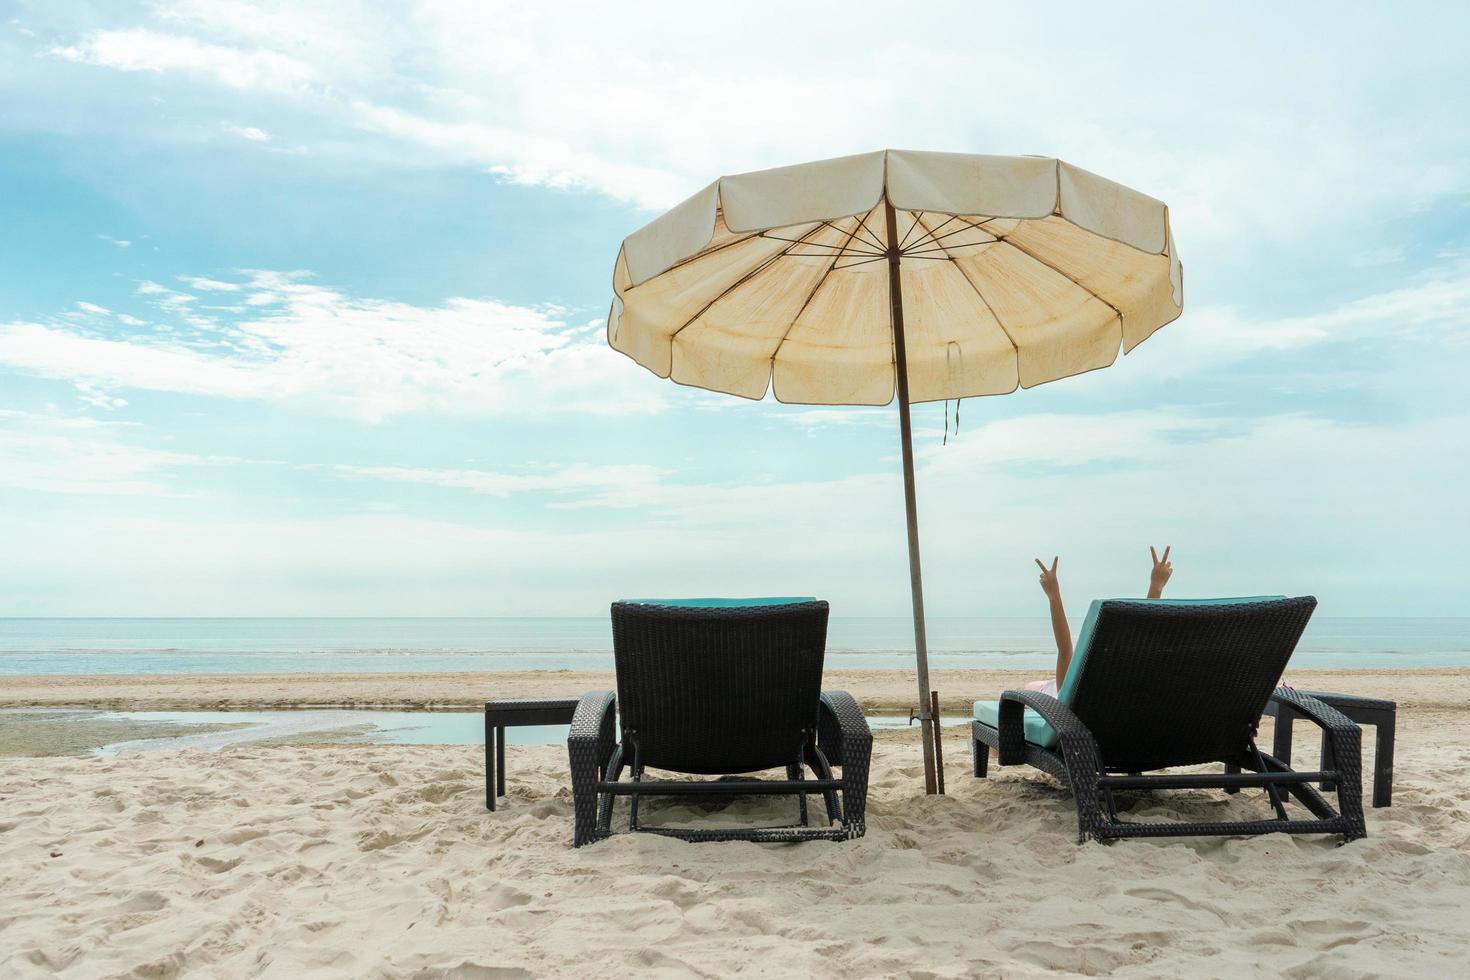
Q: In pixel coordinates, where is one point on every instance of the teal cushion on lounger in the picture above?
(724, 603)
(1038, 731)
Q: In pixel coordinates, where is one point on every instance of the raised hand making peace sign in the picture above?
(1159, 577)
(1049, 583)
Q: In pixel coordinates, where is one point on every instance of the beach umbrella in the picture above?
(932, 276)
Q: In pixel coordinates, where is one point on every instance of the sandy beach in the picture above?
(878, 690)
(323, 860)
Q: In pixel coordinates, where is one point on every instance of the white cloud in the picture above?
(205, 284)
(1433, 307)
(588, 96)
(843, 415)
(86, 307)
(252, 133)
(1283, 504)
(521, 157)
(627, 482)
(169, 300)
(1061, 442)
(138, 49)
(287, 337)
(1290, 503)
(78, 455)
(357, 357)
(119, 242)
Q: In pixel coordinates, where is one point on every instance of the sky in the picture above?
(302, 308)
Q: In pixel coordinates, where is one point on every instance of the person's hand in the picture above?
(1159, 577)
(1049, 583)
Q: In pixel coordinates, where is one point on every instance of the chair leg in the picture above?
(980, 756)
(823, 769)
(1281, 741)
(1383, 763)
(1329, 761)
(489, 764)
(633, 798)
(1232, 769)
(796, 771)
(1272, 793)
(611, 772)
(500, 760)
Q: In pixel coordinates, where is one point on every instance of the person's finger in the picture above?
(1155, 554)
(1054, 560)
(1166, 551)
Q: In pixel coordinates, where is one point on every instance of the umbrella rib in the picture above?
(991, 310)
(867, 241)
(815, 289)
(857, 228)
(1038, 259)
(968, 227)
(862, 226)
(928, 253)
(800, 241)
(916, 224)
(850, 265)
(742, 281)
(832, 252)
(699, 255)
(931, 235)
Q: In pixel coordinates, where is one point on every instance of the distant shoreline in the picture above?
(1441, 688)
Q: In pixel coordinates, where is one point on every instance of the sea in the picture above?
(382, 645)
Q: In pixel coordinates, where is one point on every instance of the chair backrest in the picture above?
(715, 689)
(1175, 682)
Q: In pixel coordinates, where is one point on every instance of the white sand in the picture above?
(381, 861)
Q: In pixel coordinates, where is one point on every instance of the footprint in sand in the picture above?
(218, 866)
(1330, 933)
(1174, 898)
(1089, 960)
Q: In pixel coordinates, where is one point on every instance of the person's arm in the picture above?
(1159, 577)
(1059, 627)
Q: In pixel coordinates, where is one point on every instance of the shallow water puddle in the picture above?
(71, 731)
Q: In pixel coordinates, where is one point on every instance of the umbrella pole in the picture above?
(927, 723)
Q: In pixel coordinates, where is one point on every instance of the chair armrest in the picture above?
(590, 742)
(1343, 741)
(1071, 733)
(1339, 701)
(1323, 714)
(841, 724)
(844, 737)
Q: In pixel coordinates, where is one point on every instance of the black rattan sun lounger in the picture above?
(1158, 684)
(720, 691)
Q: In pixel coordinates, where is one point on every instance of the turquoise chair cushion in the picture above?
(724, 603)
(1038, 731)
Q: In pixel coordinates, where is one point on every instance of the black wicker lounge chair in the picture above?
(717, 690)
(1166, 683)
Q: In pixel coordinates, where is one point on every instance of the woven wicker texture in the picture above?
(1217, 665)
(716, 691)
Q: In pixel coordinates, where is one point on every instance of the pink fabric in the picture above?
(1045, 687)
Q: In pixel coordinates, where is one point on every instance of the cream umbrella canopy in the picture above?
(927, 275)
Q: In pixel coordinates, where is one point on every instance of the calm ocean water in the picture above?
(182, 646)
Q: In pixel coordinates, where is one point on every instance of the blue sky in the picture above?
(301, 308)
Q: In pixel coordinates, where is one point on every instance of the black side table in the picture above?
(500, 715)
(1365, 711)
